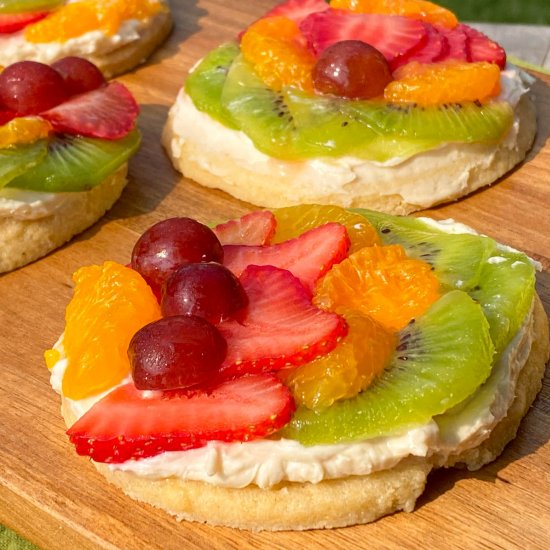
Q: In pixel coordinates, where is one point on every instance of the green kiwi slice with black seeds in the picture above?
(505, 291)
(206, 82)
(76, 163)
(457, 259)
(501, 280)
(291, 124)
(17, 160)
(441, 359)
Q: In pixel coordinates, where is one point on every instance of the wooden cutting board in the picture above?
(57, 500)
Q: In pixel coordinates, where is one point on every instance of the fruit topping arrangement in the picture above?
(63, 127)
(310, 322)
(375, 79)
(59, 20)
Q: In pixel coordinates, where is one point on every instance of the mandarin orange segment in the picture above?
(382, 282)
(347, 370)
(110, 304)
(292, 221)
(276, 48)
(414, 9)
(78, 18)
(20, 131)
(51, 357)
(445, 82)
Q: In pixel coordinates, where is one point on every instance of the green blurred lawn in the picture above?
(535, 12)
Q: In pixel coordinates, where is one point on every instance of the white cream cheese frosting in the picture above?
(14, 47)
(270, 461)
(29, 205)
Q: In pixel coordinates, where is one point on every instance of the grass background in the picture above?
(535, 12)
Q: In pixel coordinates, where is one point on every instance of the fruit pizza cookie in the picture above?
(116, 35)
(304, 367)
(65, 138)
(391, 105)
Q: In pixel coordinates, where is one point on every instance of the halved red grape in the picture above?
(80, 75)
(351, 69)
(171, 243)
(208, 290)
(176, 352)
(29, 88)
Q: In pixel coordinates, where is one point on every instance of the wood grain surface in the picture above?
(57, 499)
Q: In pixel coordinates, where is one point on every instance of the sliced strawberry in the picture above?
(434, 48)
(394, 36)
(298, 10)
(128, 423)
(457, 41)
(307, 257)
(281, 326)
(6, 116)
(482, 48)
(108, 113)
(13, 22)
(255, 228)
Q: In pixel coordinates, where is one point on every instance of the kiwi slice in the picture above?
(473, 408)
(503, 282)
(326, 127)
(291, 124)
(204, 85)
(506, 294)
(457, 259)
(24, 6)
(440, 360)
(505, 291)
(467, 122)
(17, 160)
(258, 111)
(76, 163)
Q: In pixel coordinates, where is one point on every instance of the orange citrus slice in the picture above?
(414, 9)
(348, 369)
(20, 131)
(276, 48)
(381, 282)
(78, 18)
(445, 82)
(110, 304)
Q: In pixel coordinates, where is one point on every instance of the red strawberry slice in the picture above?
(434, 48)
(128, 423)
(298, 10)
(108, 112)
(255, 228)
(281, 326)
(482, 48)
(394, 36)
(13, 22)
(457, 41)
(307, 257)
(6, 116)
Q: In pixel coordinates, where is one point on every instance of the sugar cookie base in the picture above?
(23, 241)
(135, 53)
